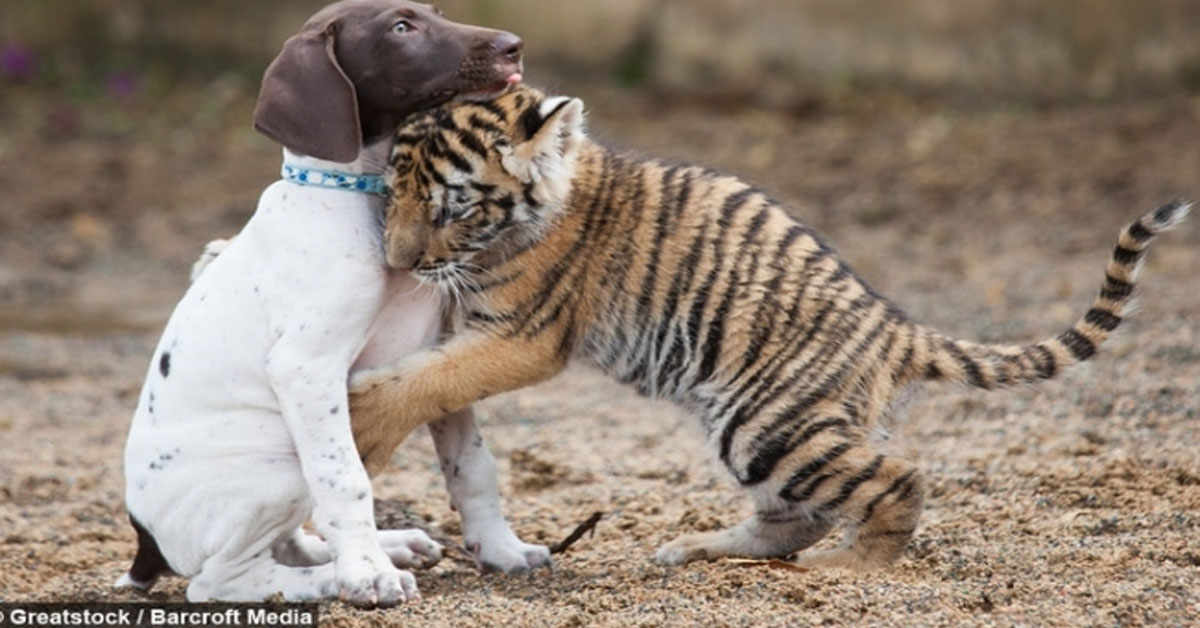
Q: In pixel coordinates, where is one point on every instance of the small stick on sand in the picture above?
(580, 530)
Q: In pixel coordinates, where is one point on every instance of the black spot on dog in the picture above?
(164, 364)
(334, 410)
(161, 462)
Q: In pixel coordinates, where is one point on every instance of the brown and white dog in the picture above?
(242, 431)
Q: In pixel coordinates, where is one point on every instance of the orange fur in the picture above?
(689, 285)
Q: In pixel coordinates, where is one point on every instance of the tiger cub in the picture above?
(689, 285)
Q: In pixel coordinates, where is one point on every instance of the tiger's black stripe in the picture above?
(769, 304)
(765, 386)
(553, 278)
(851, 485)
(711, 348)
(715, 335)
(773, 449)
(572, 273)
(620, 265)
(903, 485)
(1116, 289)
(1139, 232)
(802, 474)
(805, 402)
(1078, 344)
(974, 374)
(1125, 256)
(765, 379)
(1047, 367)
(1102, 318)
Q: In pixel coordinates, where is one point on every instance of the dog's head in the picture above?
(360, 66)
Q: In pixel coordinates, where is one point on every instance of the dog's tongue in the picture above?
(514, 78)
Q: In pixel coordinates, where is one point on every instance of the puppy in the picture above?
(241, 434)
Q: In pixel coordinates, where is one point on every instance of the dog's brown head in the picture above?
(359, 66)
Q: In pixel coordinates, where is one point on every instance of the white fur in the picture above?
(242, 434)
(547, 159)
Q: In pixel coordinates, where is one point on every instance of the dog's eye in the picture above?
(403, 26)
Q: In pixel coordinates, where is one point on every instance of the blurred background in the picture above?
(139, 110)
(125, 137)
(973, 159)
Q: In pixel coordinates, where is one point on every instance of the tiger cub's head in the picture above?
(473, 180)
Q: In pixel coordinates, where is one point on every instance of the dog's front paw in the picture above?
(372, 581)
(411, 549)
(509, 555)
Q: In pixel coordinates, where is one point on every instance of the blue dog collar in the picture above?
(365, 183)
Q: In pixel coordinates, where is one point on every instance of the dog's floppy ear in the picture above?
(307, 103)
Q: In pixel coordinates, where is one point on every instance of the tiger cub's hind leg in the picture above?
(878, 497)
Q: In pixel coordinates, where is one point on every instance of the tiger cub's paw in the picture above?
(211, 251)
(685, 549)
(367, 379)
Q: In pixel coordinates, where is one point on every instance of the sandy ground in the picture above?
(1074, 503)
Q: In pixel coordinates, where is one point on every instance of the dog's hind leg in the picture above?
(148, 564)
(302, 549)
(259, 578)
(262, 576)
(407, 549)
(410, 549)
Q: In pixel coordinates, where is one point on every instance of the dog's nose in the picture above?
(509, 46)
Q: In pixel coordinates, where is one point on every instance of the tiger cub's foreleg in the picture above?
(388, 403)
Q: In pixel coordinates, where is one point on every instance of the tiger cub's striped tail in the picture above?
(994, 366)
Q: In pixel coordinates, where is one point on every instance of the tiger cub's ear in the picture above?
(554, 132)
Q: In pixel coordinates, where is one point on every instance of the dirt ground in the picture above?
(1076, 503)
